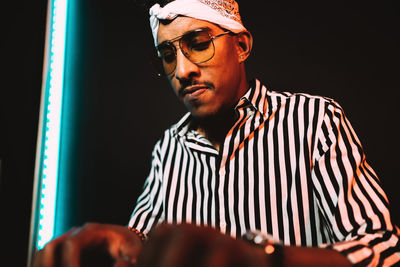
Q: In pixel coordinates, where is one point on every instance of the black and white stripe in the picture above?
(291, 166)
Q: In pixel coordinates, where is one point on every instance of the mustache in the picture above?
(187, 83)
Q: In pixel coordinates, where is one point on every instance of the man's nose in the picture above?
(185, 69)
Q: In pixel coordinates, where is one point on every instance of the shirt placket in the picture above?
(244, 111)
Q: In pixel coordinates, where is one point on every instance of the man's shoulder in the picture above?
(287, 95)
(274, 98)
(279, 97)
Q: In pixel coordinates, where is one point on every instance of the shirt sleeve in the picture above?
(148, 211)
(355, 207)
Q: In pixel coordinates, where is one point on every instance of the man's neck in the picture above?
(215, 128)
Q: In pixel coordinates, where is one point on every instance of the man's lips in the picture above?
(194, 90)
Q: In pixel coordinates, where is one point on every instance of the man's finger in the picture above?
(47, 257)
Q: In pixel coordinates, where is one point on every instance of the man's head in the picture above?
(203, 50)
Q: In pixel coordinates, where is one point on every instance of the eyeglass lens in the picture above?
(197, 46)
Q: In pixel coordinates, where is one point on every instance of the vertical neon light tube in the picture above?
(47, 170)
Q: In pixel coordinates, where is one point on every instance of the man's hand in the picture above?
(91, 245)
(187, 245)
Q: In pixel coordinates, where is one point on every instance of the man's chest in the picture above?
(261, 179)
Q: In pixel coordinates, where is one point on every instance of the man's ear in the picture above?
(245, 44)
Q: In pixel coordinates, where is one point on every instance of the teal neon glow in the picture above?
(52, 111)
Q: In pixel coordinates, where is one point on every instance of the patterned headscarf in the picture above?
(224, 13)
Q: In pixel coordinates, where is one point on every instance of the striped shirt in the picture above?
(291, 167)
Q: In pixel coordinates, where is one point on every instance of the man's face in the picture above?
(210, 87)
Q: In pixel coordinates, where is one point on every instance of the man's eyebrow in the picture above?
(205, 28)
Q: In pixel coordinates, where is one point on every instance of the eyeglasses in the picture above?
(197, 46)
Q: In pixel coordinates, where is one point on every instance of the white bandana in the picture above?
(224, 13)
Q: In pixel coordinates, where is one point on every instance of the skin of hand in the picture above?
(187, 245)
(92, 244)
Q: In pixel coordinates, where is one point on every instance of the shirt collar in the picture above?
(183, 126)
(254, 98)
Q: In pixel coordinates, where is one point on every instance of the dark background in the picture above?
(347, 51)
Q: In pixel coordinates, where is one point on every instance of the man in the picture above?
(284, 171)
